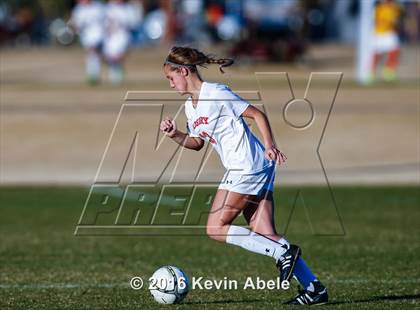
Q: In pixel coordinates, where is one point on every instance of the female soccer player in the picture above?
(120, 19)
(215, 114)
(87, 19)
(386, 41)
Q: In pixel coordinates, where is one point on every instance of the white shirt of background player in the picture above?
(120, 19)
(88, 20)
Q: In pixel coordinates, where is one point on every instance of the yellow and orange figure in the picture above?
(386, 41)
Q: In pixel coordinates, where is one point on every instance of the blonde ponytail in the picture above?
(191, 58)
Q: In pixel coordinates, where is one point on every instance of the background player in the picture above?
(386, 41)
(215, 114)
(120, 19)
(87, 19)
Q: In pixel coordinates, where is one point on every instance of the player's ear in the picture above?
(184, 71)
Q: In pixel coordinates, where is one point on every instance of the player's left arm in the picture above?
(271, 150)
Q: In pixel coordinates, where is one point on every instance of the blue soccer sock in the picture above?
(303, 273)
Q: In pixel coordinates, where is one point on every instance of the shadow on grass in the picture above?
(227, 301)
(368, 300)
(377, 298)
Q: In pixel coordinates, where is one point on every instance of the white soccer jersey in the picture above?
(217, 119)
(88, 19)
(120, 17)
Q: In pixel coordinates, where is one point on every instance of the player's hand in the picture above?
(273, 153)
(168, 127)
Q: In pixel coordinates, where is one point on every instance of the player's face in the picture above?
(177, 80)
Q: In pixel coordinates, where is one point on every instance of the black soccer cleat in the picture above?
(286, 264)
(317, 296)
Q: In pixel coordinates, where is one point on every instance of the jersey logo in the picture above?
(202, 120)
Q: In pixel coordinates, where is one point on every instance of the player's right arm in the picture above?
(168, 127)
(75, 20)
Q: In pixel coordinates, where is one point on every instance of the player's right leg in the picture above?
(226, 207)
(93, 65)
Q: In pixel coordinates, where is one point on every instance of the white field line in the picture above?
(35, 286)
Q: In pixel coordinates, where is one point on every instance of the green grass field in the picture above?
(374, 265)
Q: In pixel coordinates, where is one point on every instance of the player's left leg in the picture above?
(261, 221)
(115, 49)
(375, 62)
(391, 63)
(260, 217)
(115, 71)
